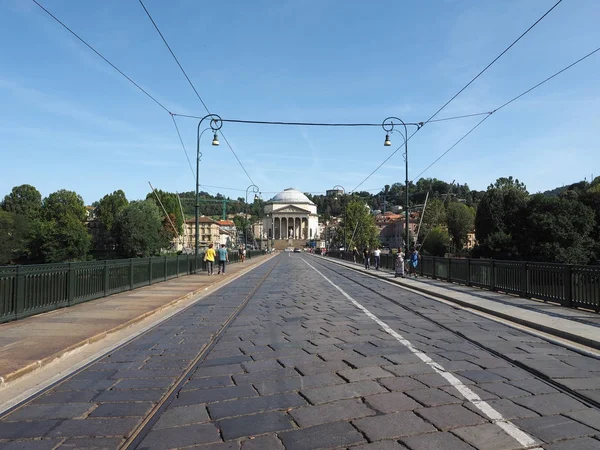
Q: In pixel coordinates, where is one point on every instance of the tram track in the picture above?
(532, 371)
(136, 436)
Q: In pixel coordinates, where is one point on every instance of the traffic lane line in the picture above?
(512, 430)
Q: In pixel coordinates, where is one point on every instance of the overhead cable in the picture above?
(506, 104)
(193, 87)
(102, 56)
(459, 92)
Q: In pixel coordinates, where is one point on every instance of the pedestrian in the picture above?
(414, 262)
(209, 258)
(243, 254)
(223, 258)
(377, 254)
(367, 258)
(355, 255)
(399, 272)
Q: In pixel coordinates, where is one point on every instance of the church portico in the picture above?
(290, 219)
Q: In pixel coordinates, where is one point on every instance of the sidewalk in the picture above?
(28, 344)
(575, 325)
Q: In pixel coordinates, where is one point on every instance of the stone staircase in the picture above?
(282, 244)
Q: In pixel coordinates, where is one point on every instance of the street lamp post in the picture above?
(255, 190)
(388, 127)
(215, 124)
(337, 187)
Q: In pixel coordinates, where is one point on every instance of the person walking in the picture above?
(399, 271)
(355, 255)
(367, 258)
(223, 258)
(414, 262)
(209, 258)
(243, 254)
(377, 254)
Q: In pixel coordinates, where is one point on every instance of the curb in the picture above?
(19, 373)
(511, 318)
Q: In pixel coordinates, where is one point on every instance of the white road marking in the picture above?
(520, 436)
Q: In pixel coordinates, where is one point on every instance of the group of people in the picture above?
(403, 263)
(221, 255)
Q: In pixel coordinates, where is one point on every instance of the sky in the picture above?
(70, 121)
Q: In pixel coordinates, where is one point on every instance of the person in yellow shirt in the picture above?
(209, 257)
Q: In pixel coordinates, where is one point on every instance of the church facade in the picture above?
(290, 216)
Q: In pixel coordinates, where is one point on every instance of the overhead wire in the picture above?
(327, 124)
(506, 104)
(127, 77)
(461, 90)
(194, 88)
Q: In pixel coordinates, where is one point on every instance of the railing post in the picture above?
(166, 271)
(433, 269)
(568, 288)
(449, 270)
(130, 274)
(20, 293)
(150, 270)
(106, 278)
(70, 284)
(524, 278)
(468, 272)
(178, 265)
(492, 275)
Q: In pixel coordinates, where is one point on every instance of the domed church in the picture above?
(290, 219)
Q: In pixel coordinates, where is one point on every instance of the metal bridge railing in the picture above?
(568, 285)
(34, 289)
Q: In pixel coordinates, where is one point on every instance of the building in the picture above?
(334, 192)
(228, 227)
(209, 233)
(290, 219)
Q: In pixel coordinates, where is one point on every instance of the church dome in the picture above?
(290, 196)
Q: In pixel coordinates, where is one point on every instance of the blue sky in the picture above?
(68, 120)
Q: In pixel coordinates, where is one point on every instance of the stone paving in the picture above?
(302, 367)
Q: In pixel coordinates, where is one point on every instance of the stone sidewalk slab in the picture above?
(575, 325)
(25, 344)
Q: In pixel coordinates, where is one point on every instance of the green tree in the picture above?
(433, 216)
(170, 202)
(139, 225)
(24, 200)
(359, 226)
(461, 220)
(61, 234)
(436, 242)
(61, 240)
(500, 214)
(107, 211)
(508, 183)
(14, 236)
(557, 230)
(63, 203)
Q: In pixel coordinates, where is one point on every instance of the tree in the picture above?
(60, 235)
(13, 236)
(433, 216)
(170, 202)
(359, 226)
(107, 211)
(508, 183)
(63, 203)
(557, 230)
(139, 225)
(436, 242)
(24, 200)
(461, 220)
(500, 213)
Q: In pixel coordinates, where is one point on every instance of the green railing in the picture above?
(34, 289)
(565, 284)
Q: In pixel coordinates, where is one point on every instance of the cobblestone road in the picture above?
(307, 365)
